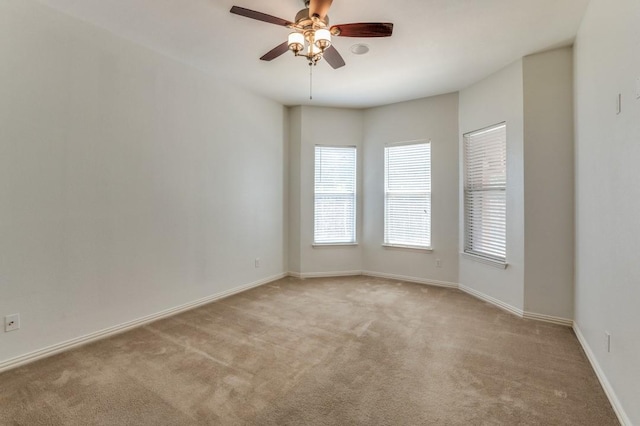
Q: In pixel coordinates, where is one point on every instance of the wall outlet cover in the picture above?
(11, 322)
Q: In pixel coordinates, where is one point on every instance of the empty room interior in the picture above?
(243, 212)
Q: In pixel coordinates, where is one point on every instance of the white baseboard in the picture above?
(499, 303)
(82, 340)
(548, 318)
(117, 329)
(410, 279)
(516, 311)
(475, 293)
(303, 275)
(606, 386)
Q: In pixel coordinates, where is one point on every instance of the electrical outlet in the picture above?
(11, 322)
(257, 262)
(438, 263)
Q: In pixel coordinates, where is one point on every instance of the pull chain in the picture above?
(310, 81)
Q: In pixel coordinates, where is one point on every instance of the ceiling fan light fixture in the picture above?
(322, 38)
(315, 51)
(311, 36)
(296, 42)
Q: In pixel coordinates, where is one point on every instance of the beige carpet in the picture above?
(348, 351)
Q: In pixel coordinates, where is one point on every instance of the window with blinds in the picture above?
(485, 193)
(335, 195)
(407, 195)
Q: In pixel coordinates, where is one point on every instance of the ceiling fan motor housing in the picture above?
(305, 21)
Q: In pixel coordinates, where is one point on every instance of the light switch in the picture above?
(638, 88)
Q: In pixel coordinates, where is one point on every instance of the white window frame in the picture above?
(489, 189)
(390, 240)
(353, 195)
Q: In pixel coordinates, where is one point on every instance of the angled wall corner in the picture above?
(294, 194)
(497, 99)
(548, 183)
(324, 126)
(434, 119)
(534, 97)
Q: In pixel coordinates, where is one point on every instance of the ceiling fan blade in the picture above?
(281, 49)
(319, 7)
(260, 16)
(365, 29)
(333, 57)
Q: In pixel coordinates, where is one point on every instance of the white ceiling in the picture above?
(438, 46)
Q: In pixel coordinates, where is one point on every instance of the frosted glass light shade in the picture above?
(315, 50)
(296, 42)
(322, 38)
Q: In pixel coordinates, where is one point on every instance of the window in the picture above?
(407, 195)
(485, 199)
(335, 195)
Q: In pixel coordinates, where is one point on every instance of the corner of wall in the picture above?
(549, 183)
(498, 98)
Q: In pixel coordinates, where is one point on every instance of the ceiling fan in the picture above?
(311, 36)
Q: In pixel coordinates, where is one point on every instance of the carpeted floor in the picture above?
(340, 351)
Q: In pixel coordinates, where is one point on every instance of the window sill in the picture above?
(318, 245)
(399, 246)
(494, 263)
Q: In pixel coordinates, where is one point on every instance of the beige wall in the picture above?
(493, 100)
(324, 126)
(434, 119)
(130, 183)
(548, 183)
(294, 189)
(607, 293)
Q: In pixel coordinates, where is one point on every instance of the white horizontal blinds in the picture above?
(335, 195)
(407, 220)
(485, 199)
